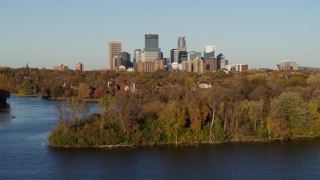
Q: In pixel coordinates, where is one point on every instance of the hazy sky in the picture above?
(45, 33)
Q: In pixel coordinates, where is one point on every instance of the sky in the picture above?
(45, 33)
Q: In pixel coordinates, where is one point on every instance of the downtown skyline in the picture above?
(261, 34)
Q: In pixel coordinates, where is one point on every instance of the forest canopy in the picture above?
(176, 107)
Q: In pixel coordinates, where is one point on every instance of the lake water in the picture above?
(25, 155)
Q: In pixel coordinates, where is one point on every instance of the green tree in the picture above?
(292, 110)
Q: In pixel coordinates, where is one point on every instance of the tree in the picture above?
(292, 110)
(84, 91)
(173, 118)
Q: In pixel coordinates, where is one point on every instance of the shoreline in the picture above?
(55, 99)
(120, 146)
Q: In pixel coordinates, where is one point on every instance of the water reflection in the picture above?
(5, 113)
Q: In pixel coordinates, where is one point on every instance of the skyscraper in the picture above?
(193, 55)
(136, 56)
(125, 59)
(151, 49)
(220, 61)
(152, 42)
(174, 55)
(197, 65)
(182, 45)
(209, 51)
(182, 56)
(114, 48)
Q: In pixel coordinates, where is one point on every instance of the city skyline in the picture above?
(44, 34)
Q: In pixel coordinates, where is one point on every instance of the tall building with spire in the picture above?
(114, 48)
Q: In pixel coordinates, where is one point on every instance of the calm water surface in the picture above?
(24, 154)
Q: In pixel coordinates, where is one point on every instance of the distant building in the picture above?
(308, 68)
(221, 61)
(158, 64)
(193, 55)
(238, 67)
(242, 67)
(182, 56)
(182, 45)
(139, 66)
(137, 58)
(148, 56)
(124, 56)
(79, 66)
(230, 68)
(125, 59)
(186, 66)
(197, 65)
(60, 67)
(152, 43)
(117, 62)
(209, 51)
(114, 48)
(136, 55)
(174, 55)
(210, 64)
(166, 61)
(287, 65)
(150, 66)
(151, 50)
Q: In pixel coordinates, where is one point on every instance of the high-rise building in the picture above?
(147, 56)
(125, 59)
(124, 56)
(151, 42)
(114, 48)
(209, 51)
(117, 62)
(182, 45)
(174, 55)
(220, 60)
(166, 61)
(197, 65)
(193, 55)
(182, 56)
(151, 50)
(223, 64)
(210, 64)
(79, 66)
(136, 57)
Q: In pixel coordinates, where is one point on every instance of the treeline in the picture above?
(51, 84)
(170, 107)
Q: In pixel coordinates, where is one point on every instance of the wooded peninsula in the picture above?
(174, 107)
